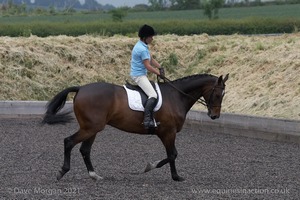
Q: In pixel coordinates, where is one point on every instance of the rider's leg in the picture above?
(144, 83)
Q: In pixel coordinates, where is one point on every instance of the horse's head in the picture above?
(214, 96)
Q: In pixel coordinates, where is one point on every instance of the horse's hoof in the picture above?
(59, 175)
(95, 176)
(151, 166)
(148, 168)
(178, 178)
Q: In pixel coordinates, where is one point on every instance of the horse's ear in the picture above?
(220, 79)
(226, 78)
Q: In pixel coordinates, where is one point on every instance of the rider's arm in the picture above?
(154, 63)
(150, 68)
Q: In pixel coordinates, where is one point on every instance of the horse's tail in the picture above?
(55, 105)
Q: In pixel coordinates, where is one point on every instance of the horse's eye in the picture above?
(218, 96)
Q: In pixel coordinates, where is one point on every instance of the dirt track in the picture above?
(215, 166)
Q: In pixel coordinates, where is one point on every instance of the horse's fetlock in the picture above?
(172, 157)
(64, 170)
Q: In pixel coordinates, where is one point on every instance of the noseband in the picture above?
(210, 100)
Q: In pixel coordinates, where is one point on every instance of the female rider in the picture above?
(141, 63)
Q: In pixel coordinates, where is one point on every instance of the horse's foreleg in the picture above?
(170, 159)
(169, 143)
(156, 164)
(172, 155)
(85, 151)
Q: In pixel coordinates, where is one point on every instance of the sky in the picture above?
(116, 3)
(119, 3)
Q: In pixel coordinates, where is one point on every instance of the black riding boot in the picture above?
(148, 114)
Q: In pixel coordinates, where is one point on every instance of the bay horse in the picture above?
(101, 103)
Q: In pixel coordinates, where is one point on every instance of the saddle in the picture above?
(137, 97)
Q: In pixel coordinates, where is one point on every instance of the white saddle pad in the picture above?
(135, 99)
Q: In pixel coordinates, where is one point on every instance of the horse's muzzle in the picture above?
(213, 116)
(214, 113)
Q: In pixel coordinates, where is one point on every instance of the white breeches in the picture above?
(146, 86)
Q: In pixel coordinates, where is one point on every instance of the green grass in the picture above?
(242, 20)
(271, 11)
(78, 17)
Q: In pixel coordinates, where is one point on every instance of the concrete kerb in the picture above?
(26, 108)
(249, 126)
(241, 125)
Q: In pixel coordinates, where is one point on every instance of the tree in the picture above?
(190, 4)
(118, 14)
(140, 7)
(158, 4)
(211, 8)
(52, 10)
(13, 9)
(175, 4)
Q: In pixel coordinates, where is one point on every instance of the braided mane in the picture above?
(193, 77)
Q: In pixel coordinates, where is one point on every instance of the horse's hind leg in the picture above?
(68, 146)
(69, 143)
(85, 151)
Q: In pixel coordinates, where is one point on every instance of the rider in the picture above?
(141, 63)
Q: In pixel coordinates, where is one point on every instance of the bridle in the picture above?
(200, 100)
(210, 100)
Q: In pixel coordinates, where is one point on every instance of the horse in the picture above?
(99, 104)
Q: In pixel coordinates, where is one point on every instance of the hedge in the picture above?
(178, 27)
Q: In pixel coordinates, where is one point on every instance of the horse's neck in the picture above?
(194, 87)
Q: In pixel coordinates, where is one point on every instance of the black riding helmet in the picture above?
(146, 31)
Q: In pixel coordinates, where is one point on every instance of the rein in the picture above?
(203, 102)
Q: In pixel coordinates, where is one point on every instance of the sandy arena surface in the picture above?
(215, 166)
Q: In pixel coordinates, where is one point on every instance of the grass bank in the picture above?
(263, 69)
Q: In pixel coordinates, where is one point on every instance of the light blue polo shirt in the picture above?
(139, 53)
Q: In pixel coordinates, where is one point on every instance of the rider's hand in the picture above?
(162, 72)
